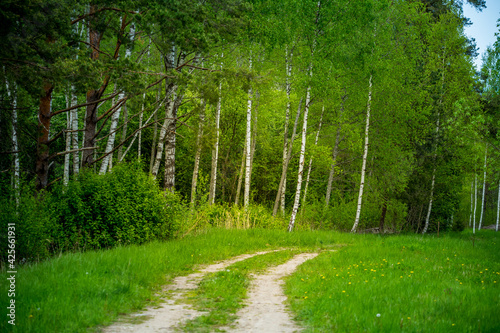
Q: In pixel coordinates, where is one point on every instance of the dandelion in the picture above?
(378, 315)
(349, 282)
(452, 324)
(343, 291)
(401, 277)
(411, 272)
(409, 318)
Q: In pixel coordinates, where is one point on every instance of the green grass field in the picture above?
(371, 283)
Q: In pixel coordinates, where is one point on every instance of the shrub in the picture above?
(124, 206)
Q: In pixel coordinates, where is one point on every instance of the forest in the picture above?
(128, 121)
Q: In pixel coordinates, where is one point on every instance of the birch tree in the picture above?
(484, 188)
(197, 156)
(215, 150)
(248, 139)
(365, 155)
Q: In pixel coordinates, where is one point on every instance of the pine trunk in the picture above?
(365, 155)
(484, 189)
(43, 142)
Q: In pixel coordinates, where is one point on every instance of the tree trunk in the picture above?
(155, 133)
(43, 142)
(12, 95)
(484, 189)
(240, 177)
(68, 134)
(365, 155)
(169, 178)
(475, 204)
(139, 142)
(197, 156)
(280, 196)
(382, 217)
(471, 202)
(334, 156)
(215, 150)
(74, 134)
(288, 68)
(301, 160)
(254, 134)
(498, 207)
(311, 160)
(111, 138)
(248, 150)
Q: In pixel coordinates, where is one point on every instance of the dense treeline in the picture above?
(324, 114)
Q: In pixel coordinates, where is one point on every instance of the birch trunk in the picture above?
(254, 135)
(281, 187)
(248, 138)
(484, 189)
(498, 207)
(301, 161)
(365, 155)
(74, 134)
(12, 95)
(475, 204)
(197, 156)
(107, 160)
(215, 150)
(169, 178)
(471, 202)
(311, 159)
(334, 157)
(155, 133)
(431, 199)
(141, 116)
(69, 124)
(240, 176)
(124, 128)
(288, 67)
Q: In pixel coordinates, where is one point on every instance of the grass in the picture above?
(222, 293)
(77, 291)
(401, 283)
(414, 283)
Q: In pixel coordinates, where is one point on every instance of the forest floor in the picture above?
(264, 310)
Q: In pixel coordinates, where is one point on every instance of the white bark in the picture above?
(282, 185)
(498, 207)
(197, 156)
(484, 189)
(475, 204)
(74, 128)
(240, 176)
(301, 160)
(69, 124)
(155, 134)
(248, 139)
(365, 155)
(11, 93)
(311, 159)
(111, 138)
(471, 202)
(288, 60)
(139, 143)
(334, 157)
(215, 150)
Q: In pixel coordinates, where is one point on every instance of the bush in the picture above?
(124, 206)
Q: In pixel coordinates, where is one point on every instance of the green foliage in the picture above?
(124, 206)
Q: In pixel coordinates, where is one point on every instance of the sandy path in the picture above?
(266, 310)
(169, 315)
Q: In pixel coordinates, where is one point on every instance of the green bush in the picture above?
(124, 206)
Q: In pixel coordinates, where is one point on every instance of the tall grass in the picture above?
(402, 283)
(75, 291)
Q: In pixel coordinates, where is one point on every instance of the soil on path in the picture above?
(265, 311)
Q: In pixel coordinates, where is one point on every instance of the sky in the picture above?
(484, 26)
